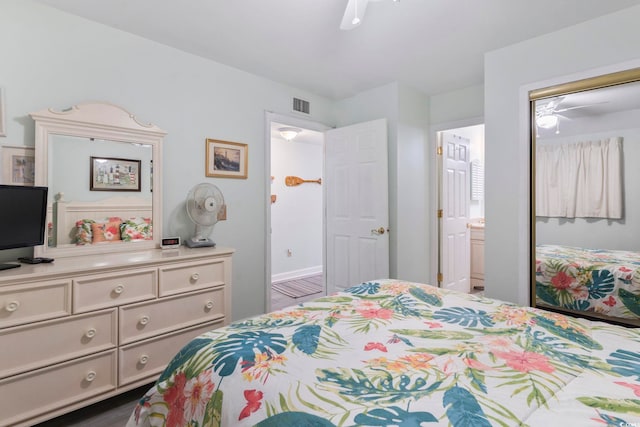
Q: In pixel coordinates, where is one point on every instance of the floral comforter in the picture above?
(391, 353)
(601, 281)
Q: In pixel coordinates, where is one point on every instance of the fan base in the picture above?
(199, 243)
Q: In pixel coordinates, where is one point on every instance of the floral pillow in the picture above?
(136, 229)
(84, 235)
(106, 231)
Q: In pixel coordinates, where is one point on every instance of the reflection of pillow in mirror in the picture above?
(136, 229)
(106, 232)
(84, 235)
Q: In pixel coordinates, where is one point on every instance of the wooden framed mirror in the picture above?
(585, 197)
(98, 162)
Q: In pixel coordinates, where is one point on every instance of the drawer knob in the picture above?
(209, 305)
(90, 333)
(118, 289)
(12, 306)
(195, 277)
(91, 375)
(144, 320)
(143, 359)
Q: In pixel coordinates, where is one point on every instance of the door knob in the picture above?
(378, 231)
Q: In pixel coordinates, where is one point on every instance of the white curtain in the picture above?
(582, 179)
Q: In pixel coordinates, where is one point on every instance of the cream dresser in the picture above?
(86, 328)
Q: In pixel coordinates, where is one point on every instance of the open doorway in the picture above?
(461, 208)
(354, 215)
(296, 214)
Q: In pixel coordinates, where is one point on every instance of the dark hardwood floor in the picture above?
(114, 412)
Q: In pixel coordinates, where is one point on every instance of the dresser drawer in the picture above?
(35, 301)
(145, 360)
(192, 276)
(109, 290)
(45, 390)
(45, 343)
(145, 320)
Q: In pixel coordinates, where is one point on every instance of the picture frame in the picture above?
(226, 159)
(114, 174)
(3, 130)
(18, 165)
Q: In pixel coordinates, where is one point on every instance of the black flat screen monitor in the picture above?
(23, 213)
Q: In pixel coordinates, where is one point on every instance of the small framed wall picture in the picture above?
(3, 130)
(226, 159)
(111, 174)
(18, 165)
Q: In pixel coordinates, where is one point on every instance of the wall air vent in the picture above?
(300, 105)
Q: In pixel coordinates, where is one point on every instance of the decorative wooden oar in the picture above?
(292, 181)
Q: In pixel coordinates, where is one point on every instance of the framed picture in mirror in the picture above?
(18, 165)
(112, 174)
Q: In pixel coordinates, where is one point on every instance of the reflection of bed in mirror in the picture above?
(110, 220)
(597, 281)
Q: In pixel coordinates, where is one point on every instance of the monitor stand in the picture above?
(8, 266)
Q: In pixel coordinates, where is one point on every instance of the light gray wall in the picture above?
(606, 44)
(413, 186)
(447, 109)
(297, 214)
(53, 59)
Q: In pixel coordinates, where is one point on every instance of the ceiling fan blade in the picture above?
(353, 14)
(549, 106)
(562, 110)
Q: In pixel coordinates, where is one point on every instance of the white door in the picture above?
(454, 235)
(357, 221)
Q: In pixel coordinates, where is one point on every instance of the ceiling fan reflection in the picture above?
(548, 115)
(354, 13)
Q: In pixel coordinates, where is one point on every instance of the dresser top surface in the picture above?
(89, 264)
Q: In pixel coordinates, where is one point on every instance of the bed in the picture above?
(110, 219)
(604, 283)
(389, 353)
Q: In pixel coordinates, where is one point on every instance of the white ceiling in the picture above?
(433, 45)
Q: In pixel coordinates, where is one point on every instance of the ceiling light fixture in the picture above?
(289, 133)
(547, 121)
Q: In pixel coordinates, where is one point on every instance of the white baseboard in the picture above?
(296, 274)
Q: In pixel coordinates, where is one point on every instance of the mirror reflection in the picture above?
(587, 202)
(100, 191)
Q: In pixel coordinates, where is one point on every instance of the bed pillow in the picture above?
(106, 231)
(136, 229)
(84, 235)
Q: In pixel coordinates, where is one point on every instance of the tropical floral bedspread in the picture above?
(391, 353)
(601, 281)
